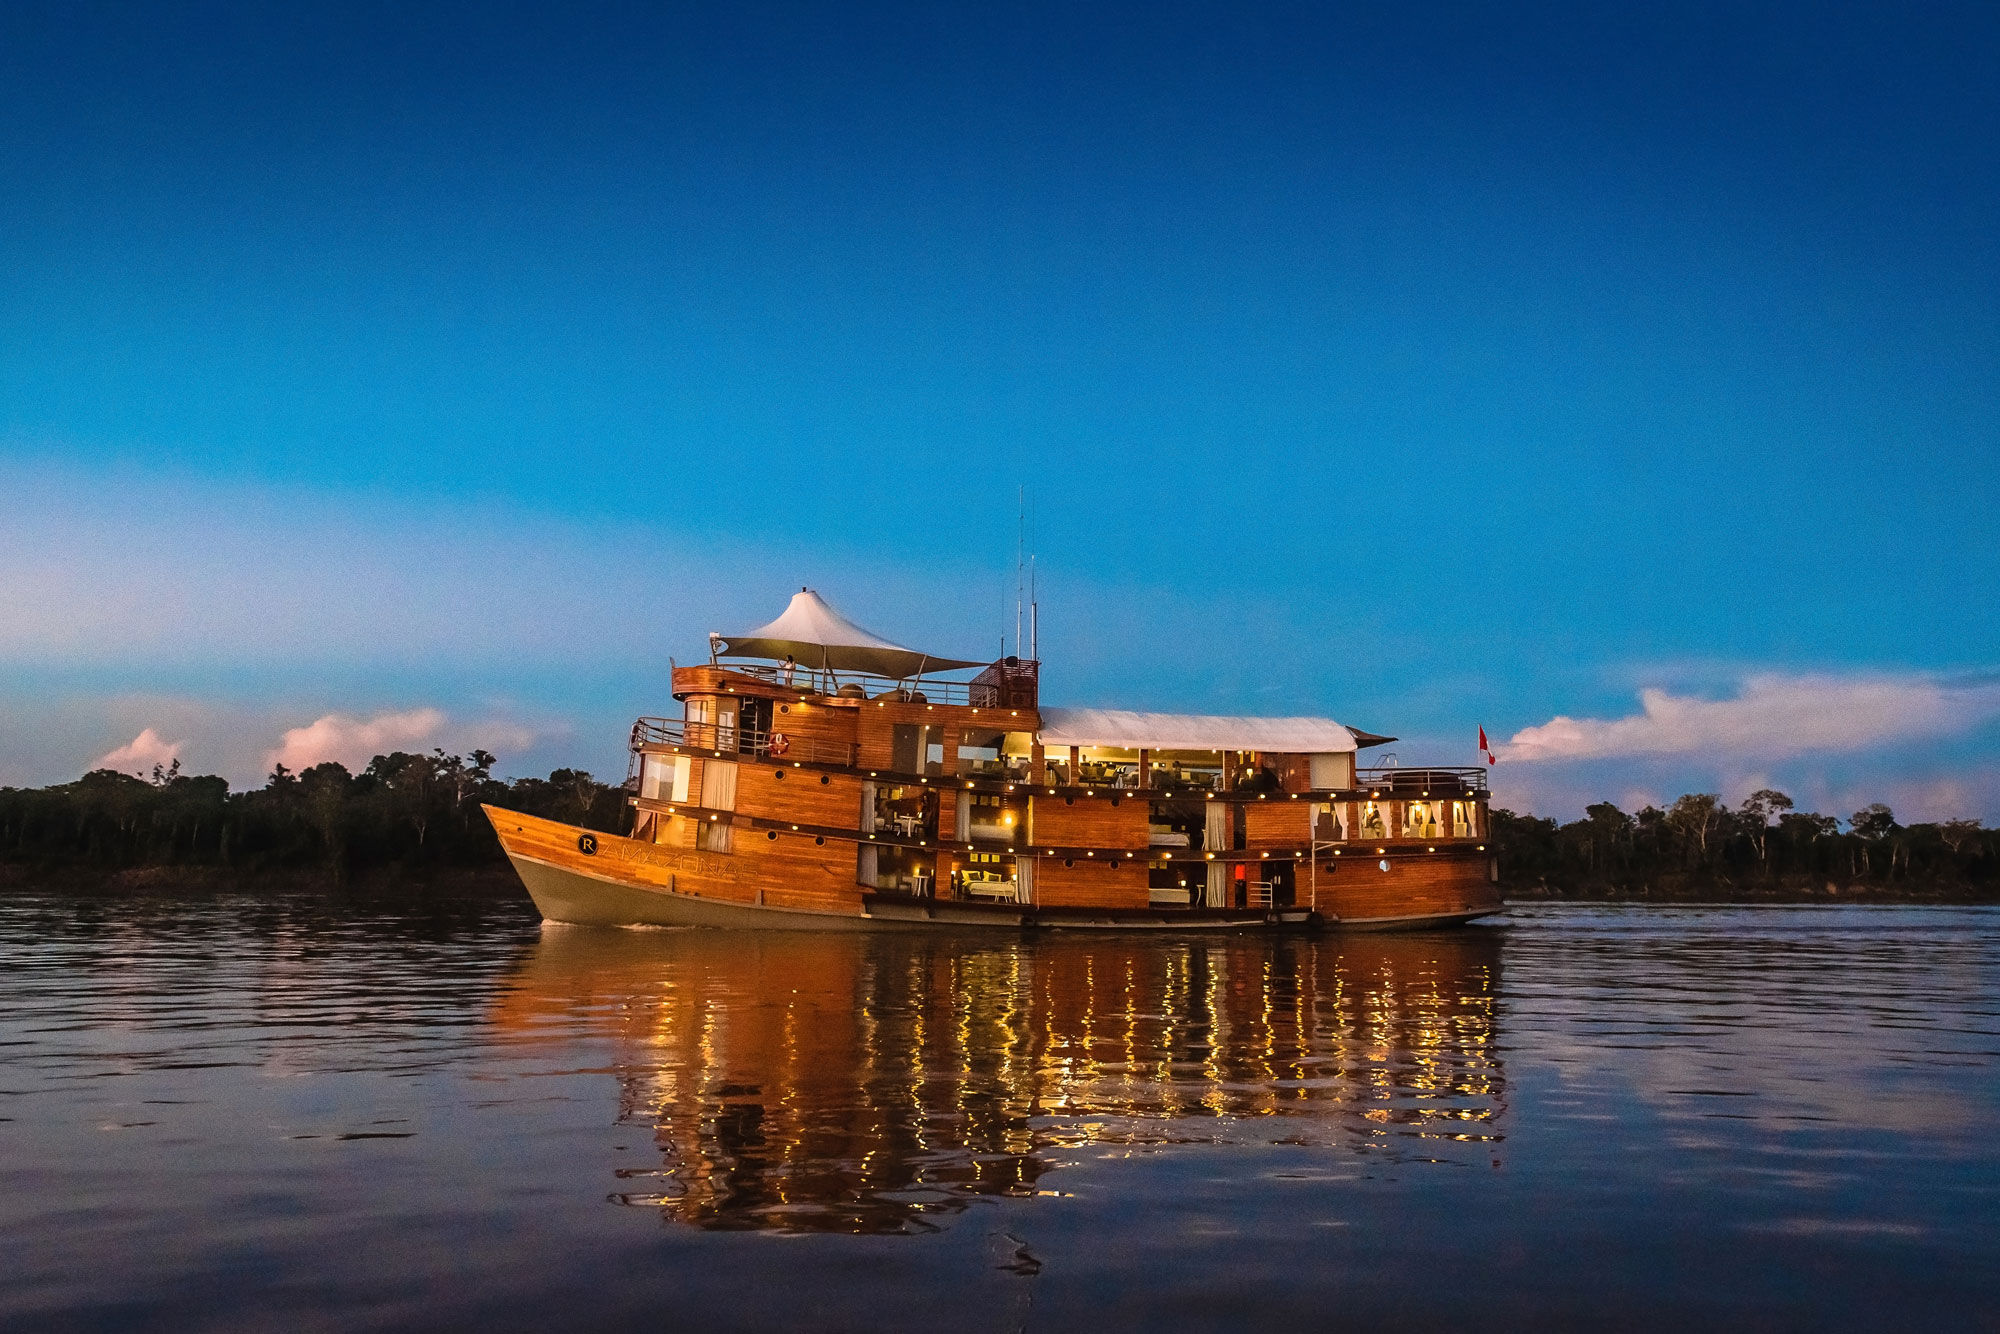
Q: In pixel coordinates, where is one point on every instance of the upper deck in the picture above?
(927, 730)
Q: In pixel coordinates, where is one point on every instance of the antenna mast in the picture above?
(1020, 547)
(1034, 617)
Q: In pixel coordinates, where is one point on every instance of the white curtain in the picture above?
(1217, 831)
(718, 785)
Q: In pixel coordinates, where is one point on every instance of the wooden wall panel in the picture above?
(1277, 824)
(1091, 822)
(833, 729)
(793, 872)
(1090, 883)
(1412, 886)
(799, 797)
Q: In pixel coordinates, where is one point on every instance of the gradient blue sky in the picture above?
(1429, 367)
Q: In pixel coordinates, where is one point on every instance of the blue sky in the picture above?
(1427, 367)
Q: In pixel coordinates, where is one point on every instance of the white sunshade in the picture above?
(814, 635)
(1192, 731)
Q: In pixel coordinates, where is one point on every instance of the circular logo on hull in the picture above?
(587, 844)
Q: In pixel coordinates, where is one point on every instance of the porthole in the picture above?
(1069, 861)
(771, 834)
(779, 774)
(824, 779)
(1069, 801)
(784, 708)
(1116, 800)
(819, 840)
(1384, 863)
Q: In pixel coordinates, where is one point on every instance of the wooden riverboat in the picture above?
(824, 778)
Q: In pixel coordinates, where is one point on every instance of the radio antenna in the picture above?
(1034, 617)
(1020, 548)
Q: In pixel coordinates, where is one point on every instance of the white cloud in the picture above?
(1773, 716)
(353, 741)
(141, 753)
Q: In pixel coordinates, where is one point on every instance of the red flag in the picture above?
(1491, 758)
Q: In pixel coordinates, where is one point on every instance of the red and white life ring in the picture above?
(779, 744)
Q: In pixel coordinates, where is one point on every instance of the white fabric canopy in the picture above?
(814, 635)
(1192, 731)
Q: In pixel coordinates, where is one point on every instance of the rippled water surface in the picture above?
(237, 1112)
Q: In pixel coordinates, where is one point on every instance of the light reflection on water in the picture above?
(235, 1113)
(872, 1085)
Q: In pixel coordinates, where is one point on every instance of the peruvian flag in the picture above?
(1486, 749)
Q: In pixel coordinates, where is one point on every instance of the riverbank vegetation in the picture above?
(414, 818)
(1700, 848)
(404, 817)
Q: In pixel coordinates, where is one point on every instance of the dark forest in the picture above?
(411, 818)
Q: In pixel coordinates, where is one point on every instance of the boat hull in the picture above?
(582, 877)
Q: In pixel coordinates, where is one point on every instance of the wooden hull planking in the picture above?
(582, 877)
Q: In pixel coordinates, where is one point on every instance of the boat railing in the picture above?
(1408, 782)
(858, 685)
(772, 744)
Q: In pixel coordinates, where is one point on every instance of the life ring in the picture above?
(779, 743)
(587, 844)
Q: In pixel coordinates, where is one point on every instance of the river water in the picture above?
(236, 1112)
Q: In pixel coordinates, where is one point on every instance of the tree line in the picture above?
(1699, 843)
(411, 814)
(403, 813)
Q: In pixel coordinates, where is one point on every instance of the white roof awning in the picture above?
(1192, 731)
(814, 635)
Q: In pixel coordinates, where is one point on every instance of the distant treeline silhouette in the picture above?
(404, 813)
(418, 815)
(1699, 843)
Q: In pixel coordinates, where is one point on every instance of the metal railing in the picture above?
(1405, 782)
(858, 685)
(774, 744)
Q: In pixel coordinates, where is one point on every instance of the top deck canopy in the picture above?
(1193, 731)
(814, 635)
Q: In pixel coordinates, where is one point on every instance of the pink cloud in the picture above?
(1772, 716)
(354, 741)
(141, 753)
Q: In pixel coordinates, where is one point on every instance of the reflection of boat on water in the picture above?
(864, 1083)
(840, 785)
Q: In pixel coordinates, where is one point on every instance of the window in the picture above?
(701, 721)
(718, 785)
(1420, 819)
(994, 754)
(665, 777)
(988, 817)
(906, 812)
(986, 875)
(1176, 824)
(1331, 770)
(1374, 824)
(916, 748)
